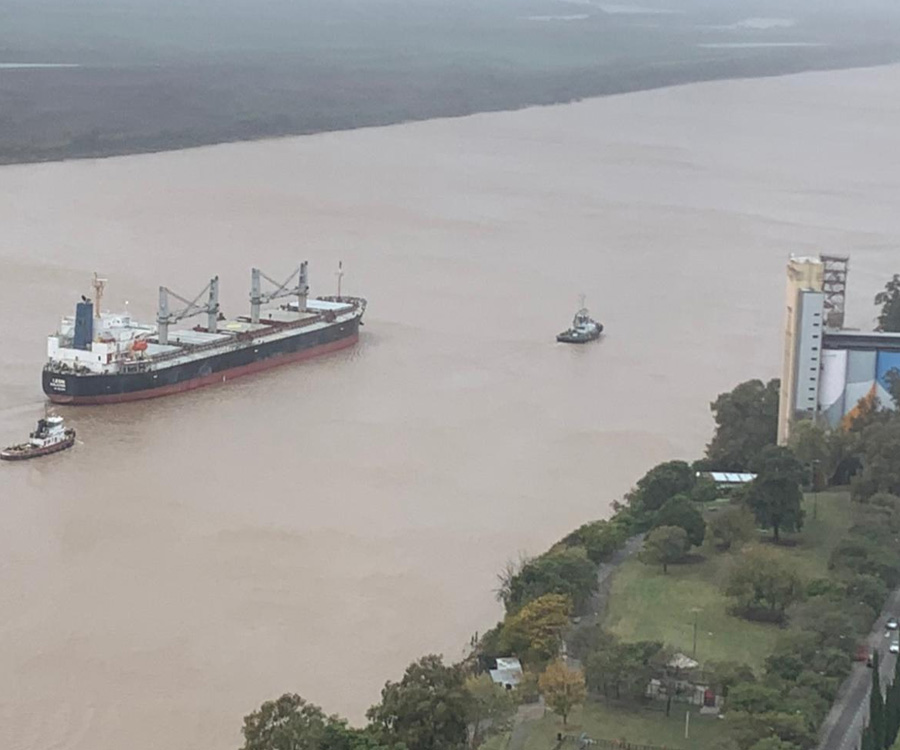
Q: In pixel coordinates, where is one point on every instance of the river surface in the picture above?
(316, 528)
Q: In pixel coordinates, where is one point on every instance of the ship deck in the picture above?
(197, 342)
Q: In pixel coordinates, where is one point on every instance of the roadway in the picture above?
(842, 728)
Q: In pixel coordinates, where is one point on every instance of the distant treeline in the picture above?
(96, 111)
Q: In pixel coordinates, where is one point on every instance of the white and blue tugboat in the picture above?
(584, 328)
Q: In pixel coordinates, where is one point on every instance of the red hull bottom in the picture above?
(211, 379)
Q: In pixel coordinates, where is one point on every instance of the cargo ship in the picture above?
(101, 358)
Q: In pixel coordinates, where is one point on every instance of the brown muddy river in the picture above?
(317, 527)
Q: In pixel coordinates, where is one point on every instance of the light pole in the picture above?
(695, 610)
(815, 487)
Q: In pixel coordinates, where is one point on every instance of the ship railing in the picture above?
(142, 365)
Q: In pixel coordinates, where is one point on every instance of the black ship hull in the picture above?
(78, 388)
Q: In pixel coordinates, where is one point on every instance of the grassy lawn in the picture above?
(640, 726)
(645, 604)
(821, 533)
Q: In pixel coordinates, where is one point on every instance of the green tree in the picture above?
(892, 377)
(880, 444)
(825, 687)
(506, 578)
(291, 723)
(834, 623)
(562, 687)
(793, 653)
(622, 669)
(808, 441)
(725, 675)
(876, 704)
(861, 555)
(665, 545)
(680, 511)
(600, 539)
(868, 590)
(889, 301)
(774, 495)
(773, 743)
(606, 668)
(844, 459)
(569, 572)
(427, 710)
(490, 708)
(754, 698)
(533, 633)
(746, 422)
(762, 582)
(731, 526)
(660, 484)
(891, 715)
(705, 490)
(586, 639)
(892, 708)
(748, 729)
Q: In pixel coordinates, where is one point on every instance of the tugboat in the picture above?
(51, 436)
(584, 328)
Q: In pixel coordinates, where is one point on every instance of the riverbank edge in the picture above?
(600, 84)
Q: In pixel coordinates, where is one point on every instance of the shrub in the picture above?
(732, 526)
(665, 545)
(680, 511)
(763, 585)
(600, 539)
(568, 572)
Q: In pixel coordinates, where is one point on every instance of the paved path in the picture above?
(527, 713)
(843, 726)
(597, 605)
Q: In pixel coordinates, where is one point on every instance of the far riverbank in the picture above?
(256, 72)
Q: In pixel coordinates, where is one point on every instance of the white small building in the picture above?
(727, 479)
(508, 672)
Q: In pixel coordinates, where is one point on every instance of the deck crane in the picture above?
(191, 308)
(283, 289)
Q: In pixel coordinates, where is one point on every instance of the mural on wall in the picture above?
(887, 361)
(860, 381)
(832, 384)
(851, 382)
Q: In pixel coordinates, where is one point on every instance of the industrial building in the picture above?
(827, 370)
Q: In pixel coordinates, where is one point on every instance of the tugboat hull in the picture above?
(24, 452)
(576, 337)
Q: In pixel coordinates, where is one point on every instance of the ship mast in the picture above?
(98, 285)
(282, 289)
(164, 317)
(340, 275)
